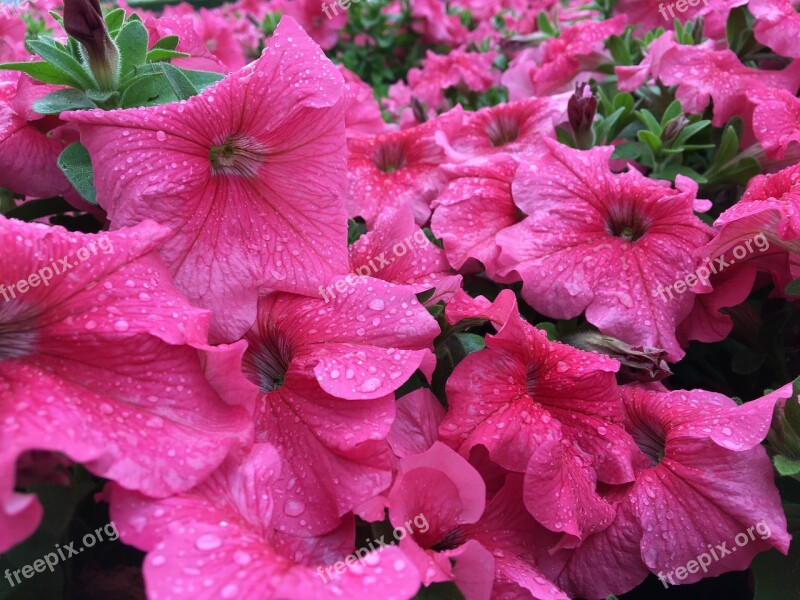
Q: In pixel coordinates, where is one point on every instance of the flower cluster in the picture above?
(481, 299)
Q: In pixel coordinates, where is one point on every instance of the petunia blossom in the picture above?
(326, 371)
(105, 362)
(218, 541)
(249, 174)
(604, 243)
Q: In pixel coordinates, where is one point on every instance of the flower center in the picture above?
(651, 440)
(503, 130)
(267, 358)
(15, 341)
(237, 155)
(627, 221)
(389, 157)
(451, 540)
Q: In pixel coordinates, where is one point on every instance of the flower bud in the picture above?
(581, 109)
(83, 20)
(637, 363)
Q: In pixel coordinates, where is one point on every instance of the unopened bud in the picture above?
(637, 363)
(581, 109)
(83, 20)
(674, 128)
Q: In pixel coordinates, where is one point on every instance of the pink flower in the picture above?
(483, 552)
(218, 541)
(326, 372)
(397, 168)
(473, 208)
(554, 66)
(603, 243)
(758, 234)
(107, 364)
(704, 74)
(321, 20)
(435, 25)
(472, 71)
(12, 39)
(649, 14)
(29, 146)
(776, 121)
(547, 410)
(416, 426)
(512, 127)
(710, 482)
(777, 25)
(216, 33)
(398, 251)
(189, 41)
(363, 113)
(249, 174)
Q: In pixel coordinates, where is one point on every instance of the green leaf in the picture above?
(179, 82)
(114, 20)
(42, 71)
(132, 42)
(691, 130)
(168, 42)
(785, 466)
(543, 23)
(671, 171)
(63, 62)
(728, 146)
(200, 79)
(649, 138)
(632, 151)
(101, 97)
(159, 54)
(623, 100)
(74, 161)
(148, 89)
(646, 117)
(793, 289)
(63, 100)
(673, 110)
(36, 209)
(550, 328)
(619, 50)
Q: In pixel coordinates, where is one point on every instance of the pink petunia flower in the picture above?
(483, 551)
(776, 121)
(189, 41)
(512, 127)
(397, 168)
(398, 251)
(432, 21)
(473, 208)
(704, 74)
(758, 234)
(215, 32)
(604, 243)
(547, 410)
(473, 71)
(218, 541)
(710, 490)
(554, 66)
(321, 20)
(28, 150)
(104, 362)
(249, 174)
(777, 25)
(326, 370)
(363, 113)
